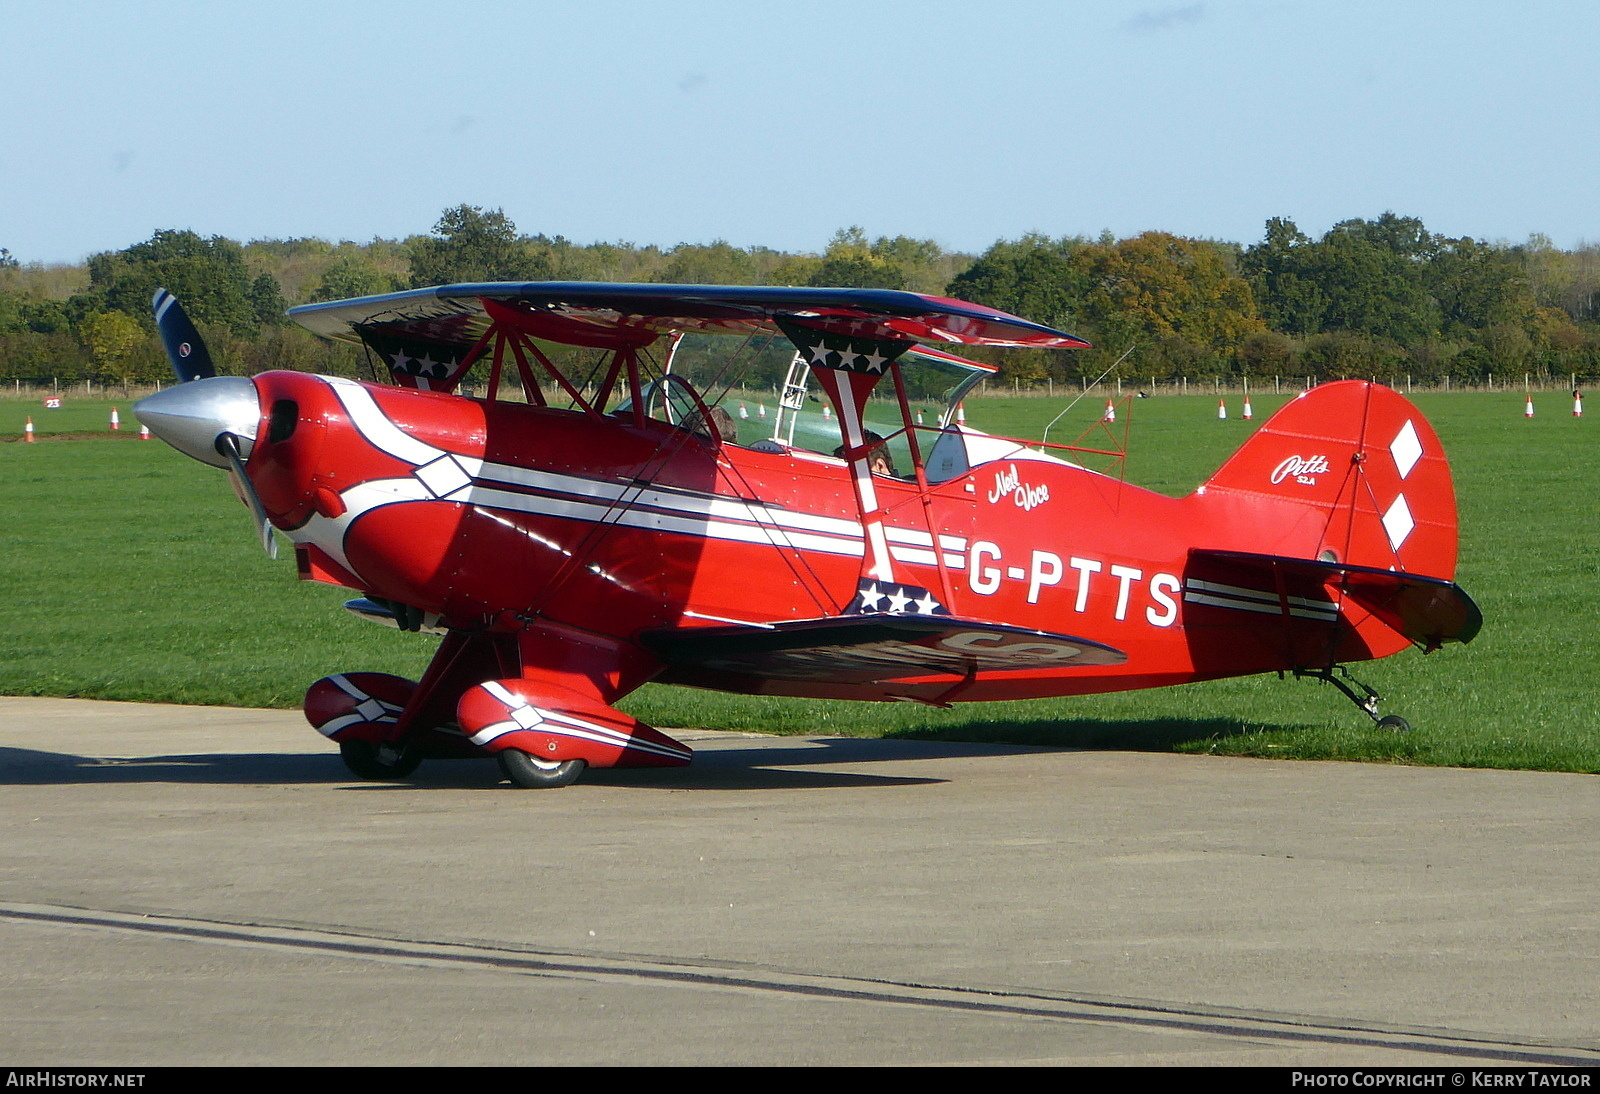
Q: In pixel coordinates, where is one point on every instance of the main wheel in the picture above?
(531, 774)
(1394, 722)
(381, 762)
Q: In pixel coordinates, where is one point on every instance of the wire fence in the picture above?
(1275, 385)
(27, 390)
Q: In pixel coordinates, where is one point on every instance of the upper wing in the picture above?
(456, 314)
(429, 332)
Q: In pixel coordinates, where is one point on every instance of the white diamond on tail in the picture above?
(1397, 522)
(1406, 449)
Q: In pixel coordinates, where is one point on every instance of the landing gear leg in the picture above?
(1367, 699)
(389, 761)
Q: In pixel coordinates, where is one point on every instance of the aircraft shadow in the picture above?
(771, 765)
(33, 767)
(1093, 734)
(738, 769)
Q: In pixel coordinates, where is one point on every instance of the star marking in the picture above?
(847, 356)
(819, 353)
(401, 360)
(871, 596)
(927, 605)
(875, 361)
(898, 602)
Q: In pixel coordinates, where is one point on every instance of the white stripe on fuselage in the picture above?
(575, 497)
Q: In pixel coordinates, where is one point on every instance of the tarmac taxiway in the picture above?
(210, 886)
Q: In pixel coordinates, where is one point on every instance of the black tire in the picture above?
(1394, 722)
(379, 762)
(531, 774)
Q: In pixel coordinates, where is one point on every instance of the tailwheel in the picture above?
(380, 762)
(1366, 698)
(533, 774)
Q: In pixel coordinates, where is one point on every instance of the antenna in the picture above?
(1131, 347)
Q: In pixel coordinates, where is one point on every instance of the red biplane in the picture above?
(594, 520)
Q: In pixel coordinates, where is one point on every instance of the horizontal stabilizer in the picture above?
(1428, 611)
(875, 648)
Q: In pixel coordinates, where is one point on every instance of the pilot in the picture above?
(879, 461)
(721, 425)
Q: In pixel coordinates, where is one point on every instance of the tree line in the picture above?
(1382, 297)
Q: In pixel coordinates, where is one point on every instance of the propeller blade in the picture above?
(228, 445)
(185, 349)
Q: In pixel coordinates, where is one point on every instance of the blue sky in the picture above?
(778, 123)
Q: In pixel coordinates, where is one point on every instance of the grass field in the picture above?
(129, 572)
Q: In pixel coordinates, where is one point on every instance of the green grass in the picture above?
(129, 572)
(77, 414)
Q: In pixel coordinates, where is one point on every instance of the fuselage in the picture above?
(505, 516)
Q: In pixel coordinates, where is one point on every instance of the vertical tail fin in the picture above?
(1348, 473)
(1339, 517)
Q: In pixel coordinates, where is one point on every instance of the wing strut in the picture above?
(848, 366)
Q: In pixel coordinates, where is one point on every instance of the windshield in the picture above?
(933, 387)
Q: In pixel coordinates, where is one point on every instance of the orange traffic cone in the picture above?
(743, 413)
(1248, 414)
(1528, 413)
(144, 432)
(116, 422)
(1577, 404)
(762, 410)
(826, 412)
(27, 431)
(961, 414)
(1111, 412)
(1222, 410)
